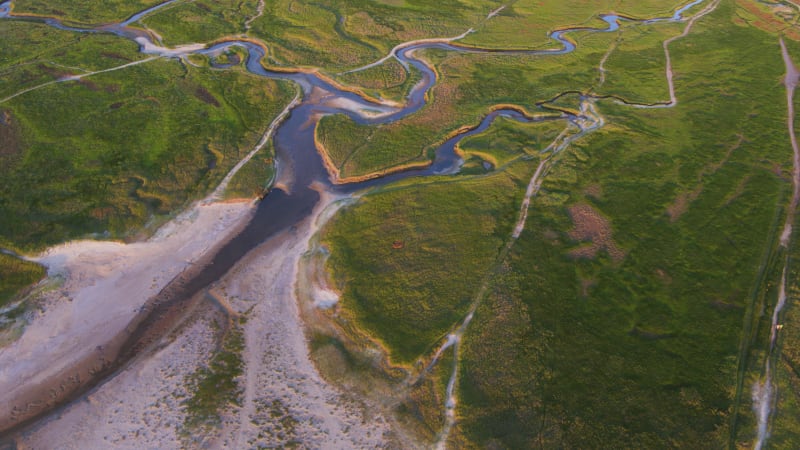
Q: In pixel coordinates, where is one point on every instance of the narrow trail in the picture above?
(589, 121)
(401, 46)
(791, 80)
(218, 193)
(765, 391)
(259, 12)
(78, 77)
(673, 99)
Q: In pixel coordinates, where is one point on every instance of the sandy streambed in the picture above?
(81, 325)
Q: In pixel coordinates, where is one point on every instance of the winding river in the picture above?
(301, 168)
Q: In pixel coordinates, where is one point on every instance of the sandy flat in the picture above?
(105, 285)
(284, 399)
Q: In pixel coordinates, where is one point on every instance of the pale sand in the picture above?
(278, 367)
(105, 285)
(284, 398)
(139, 408)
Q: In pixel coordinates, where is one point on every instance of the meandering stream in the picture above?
(301, 168)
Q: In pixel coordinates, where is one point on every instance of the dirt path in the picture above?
(764, 391)
(673, 99)
(77, 77)
(223, 185)
(790, 81)
(259, 12)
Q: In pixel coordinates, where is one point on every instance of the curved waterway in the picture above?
(301, 168)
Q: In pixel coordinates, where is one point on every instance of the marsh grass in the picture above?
(103, 156)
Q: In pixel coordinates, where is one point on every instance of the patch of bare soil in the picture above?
(594, 230)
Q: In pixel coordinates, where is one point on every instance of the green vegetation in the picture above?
(17, 274)
(255, 177)
(388, 81)
(200, 21)
(81, 12)
(643, 351)
(106, 153)
(216, 386)
(470, 84)
(634, 310)
(338, 35)
(32, 54)
(521, 23)
(410, 297)
(506, 140)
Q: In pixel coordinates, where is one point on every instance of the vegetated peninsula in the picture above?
(399, 224)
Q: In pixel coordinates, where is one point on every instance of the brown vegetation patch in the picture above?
(663, 276)
(724, 306)
(10, 143)
(362, 23)
(101, 213)
(590, 226)
(206, 96)
(53, 72)
(681, 203)
(91, 85)
(586, 285)
(770, 18)
(649, 335)
(387, 75)
(684, 199)
(113, 55)
(594, 190)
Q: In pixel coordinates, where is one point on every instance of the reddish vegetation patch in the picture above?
(684, 199)
(592, 227)
(101, 213)
(54, 72)
(91, 85)
(663, 276)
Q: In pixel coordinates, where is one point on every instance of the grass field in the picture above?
(199, 21)
(629, 313)
(103, 155)
(410, 297)
(84, 13)
(634, 310)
